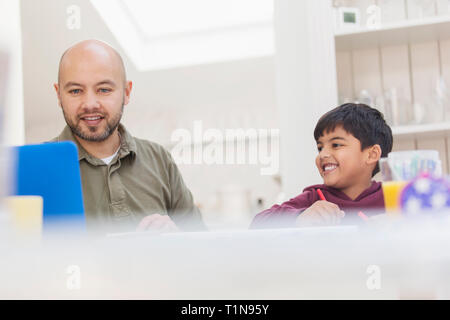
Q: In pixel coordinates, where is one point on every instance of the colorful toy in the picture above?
(426, 195)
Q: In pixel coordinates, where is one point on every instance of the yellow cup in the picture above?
(391, 194)
(26, 214)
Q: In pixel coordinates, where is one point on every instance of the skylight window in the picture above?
(158, 34)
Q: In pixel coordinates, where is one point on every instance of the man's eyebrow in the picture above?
(111, 83)
(71, 84)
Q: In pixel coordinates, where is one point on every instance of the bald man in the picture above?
(128, 183)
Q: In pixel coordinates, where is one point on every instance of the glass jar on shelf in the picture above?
(365, 97)
(398, 108)
(434, 106)
(342, 99)
(442, 98)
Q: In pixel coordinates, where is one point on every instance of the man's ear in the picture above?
(373, 154)
(56, 86)
(128, 87)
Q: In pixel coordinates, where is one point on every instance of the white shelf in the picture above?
(429, 129)
(407, 31)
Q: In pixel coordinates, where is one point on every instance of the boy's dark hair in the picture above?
(365, 123)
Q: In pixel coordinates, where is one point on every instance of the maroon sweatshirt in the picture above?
(369, 201)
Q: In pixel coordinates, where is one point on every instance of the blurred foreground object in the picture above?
(408, 165)
(51, 170)
(4, 219)
(425, 194)
(26, 214)
(403, 166)
(411, 259)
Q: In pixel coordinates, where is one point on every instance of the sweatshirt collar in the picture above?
(371, 189)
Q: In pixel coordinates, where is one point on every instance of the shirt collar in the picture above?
(127, 144)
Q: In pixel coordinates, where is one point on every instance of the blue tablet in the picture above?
(52, 170)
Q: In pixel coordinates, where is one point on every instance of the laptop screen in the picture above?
(52, 171)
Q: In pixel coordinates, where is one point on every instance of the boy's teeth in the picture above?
(330, 167)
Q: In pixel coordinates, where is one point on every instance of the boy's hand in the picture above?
(321, 213)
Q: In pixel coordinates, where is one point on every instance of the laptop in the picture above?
(52, 171)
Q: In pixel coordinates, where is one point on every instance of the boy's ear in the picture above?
(373, 154)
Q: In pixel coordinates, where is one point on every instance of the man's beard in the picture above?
(111, 126)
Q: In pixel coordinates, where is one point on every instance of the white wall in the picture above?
(306, 85)
(10, 41)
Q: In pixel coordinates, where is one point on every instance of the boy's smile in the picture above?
(341, 162)
(329, 168)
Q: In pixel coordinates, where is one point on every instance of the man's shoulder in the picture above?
(151, 148)
(149, 145)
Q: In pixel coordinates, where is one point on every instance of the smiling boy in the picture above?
(350, 140)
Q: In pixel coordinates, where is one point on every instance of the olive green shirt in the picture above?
(141, 179)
